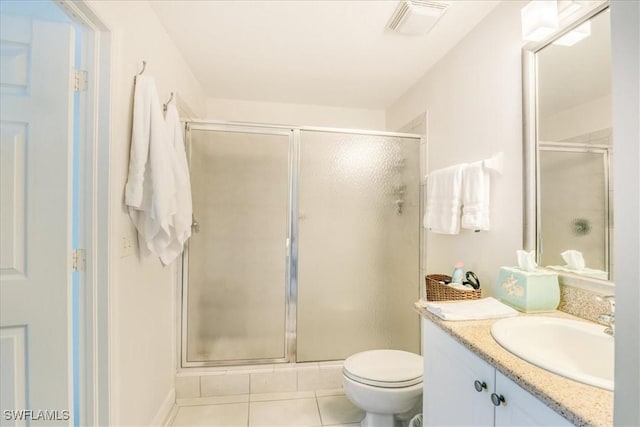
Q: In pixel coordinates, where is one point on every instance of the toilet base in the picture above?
(373, 419)
(378, 420)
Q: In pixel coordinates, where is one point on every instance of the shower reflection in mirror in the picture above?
(569, 149)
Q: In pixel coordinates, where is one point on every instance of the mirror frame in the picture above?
(531, 182)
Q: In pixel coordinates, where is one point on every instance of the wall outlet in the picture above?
(126, 246)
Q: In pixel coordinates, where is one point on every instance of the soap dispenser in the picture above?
(458, 273)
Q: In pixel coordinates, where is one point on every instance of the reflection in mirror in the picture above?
(574, 211)
(573, 150)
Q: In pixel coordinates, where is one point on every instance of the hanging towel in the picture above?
(475, 197)
(150, 193)
(181, 224)
(444, 198)
(486, 308)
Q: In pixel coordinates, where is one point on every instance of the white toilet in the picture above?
(386, 384)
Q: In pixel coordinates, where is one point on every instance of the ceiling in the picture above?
(336, 53)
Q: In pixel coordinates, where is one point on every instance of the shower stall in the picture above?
(574, 202)
(306, 244)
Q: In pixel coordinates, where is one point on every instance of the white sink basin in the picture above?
(577, 350)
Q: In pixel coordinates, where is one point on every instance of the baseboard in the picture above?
(165, 413)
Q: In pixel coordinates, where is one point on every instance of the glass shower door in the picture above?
(574, 212)
(359, 244)
(237, 262)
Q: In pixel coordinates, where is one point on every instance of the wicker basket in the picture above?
(436, 291)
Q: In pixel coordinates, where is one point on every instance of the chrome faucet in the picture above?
(608, 319)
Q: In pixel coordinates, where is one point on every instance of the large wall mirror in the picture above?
(568, 149)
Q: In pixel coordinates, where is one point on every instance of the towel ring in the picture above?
(165, 105)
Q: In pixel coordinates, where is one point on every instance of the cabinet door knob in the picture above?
(480, 385)
(497, 399)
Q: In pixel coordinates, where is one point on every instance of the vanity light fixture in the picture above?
(575, 35)
(567, 8)
(539, 19)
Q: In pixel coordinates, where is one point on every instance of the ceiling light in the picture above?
(416, 17)
(539, 19)
(575, 35)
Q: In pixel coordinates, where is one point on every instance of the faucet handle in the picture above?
(608, 319)
(611, 299)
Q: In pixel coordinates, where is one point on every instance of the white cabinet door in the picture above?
(450, 397)
(450, 374)
(520, 408)
(35, 219)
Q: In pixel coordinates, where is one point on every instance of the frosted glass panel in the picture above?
(237, 260)
(358, 255)
(573, 212)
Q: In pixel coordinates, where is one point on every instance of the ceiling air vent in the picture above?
(416, 17)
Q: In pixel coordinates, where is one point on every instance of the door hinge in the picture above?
(78, 260)
(80, 80)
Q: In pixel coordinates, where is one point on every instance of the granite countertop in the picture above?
(581, 404)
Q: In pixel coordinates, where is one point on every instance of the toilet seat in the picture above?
(384, 368)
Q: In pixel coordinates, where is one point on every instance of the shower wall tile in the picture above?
(224, 384)
(251, 369)
(338, 363)
(296, 366)
(325, 377)
(219, 383)
(279, 381)
(187, 386)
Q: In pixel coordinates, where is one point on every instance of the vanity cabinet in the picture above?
(462, 389)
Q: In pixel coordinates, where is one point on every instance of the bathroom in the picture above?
(463, 90)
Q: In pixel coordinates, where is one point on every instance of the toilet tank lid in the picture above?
(385, 365)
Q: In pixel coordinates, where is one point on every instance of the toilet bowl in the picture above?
(386, 384)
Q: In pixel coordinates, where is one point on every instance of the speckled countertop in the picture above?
(581, 404)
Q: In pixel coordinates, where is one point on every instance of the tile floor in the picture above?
(296, 409)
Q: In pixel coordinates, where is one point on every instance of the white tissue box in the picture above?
(528, 291)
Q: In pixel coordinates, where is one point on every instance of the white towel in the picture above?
(444, 198)
(475, 197)
(150, 190)
(181, 224)
(486, 308)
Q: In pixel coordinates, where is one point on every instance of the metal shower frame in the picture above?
(291, 285)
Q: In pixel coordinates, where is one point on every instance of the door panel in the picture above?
(359, 244)
(237, 259)
(450, 373)
(35, 260)
(523, 409)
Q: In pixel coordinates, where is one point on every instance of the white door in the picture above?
(35, 215)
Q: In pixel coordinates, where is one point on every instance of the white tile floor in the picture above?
(296, 409)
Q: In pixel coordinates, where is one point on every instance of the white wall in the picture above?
(579, 120)
(294, 114)
(474, 103)
(625, 40)
(142, 299)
